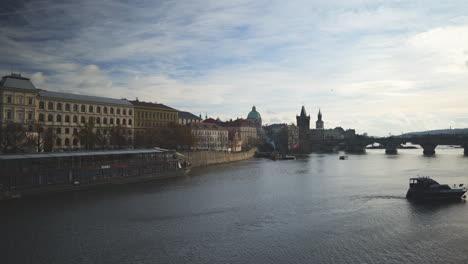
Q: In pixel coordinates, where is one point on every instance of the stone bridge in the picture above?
(358, 143)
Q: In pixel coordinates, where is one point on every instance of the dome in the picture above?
(254, 114)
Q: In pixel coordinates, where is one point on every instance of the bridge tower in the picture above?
(303, 123)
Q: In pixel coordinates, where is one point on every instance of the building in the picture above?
(255, 118)
(63, 114)
(210, 136)
(293, 137)
(18, 102)
(187, 118)
(303, 126)
(68, 113)
(152, 115)
(319, 123)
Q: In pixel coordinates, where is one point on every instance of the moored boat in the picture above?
(344, 157)
(425, 188)
(27, 174)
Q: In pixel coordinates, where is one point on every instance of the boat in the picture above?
(344, 157)
(289, 157)
(425, 188)
(28, 174)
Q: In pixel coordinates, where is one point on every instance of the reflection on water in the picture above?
(316, 209)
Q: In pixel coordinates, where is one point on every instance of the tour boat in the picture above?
(425, 188)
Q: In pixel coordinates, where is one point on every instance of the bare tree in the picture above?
(13, 138)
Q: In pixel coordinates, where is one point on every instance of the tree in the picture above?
(173, 136)
(13, 138)
(119, 137)
(87, 136)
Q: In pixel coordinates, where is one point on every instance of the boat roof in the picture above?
(80, 153)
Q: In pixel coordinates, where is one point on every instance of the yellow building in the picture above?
(65, 113)
(18, 102)
(151, 115)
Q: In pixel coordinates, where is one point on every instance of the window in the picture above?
(50, 106)
(67, 130)
(75, 142)
(41, 105)
(130, 112)
(104, 121)
(67, 142)
(98, 109)
(75, 131)
(130, 122)
(67, 118)
(91, 119)
(41, 117)
(75, 119)
(112, 110)
(117, 121)
(124, 111)
(91, 109)
(111, 121)
(83, 119)
(30, 101)
(98, 120)
(105, 109)
(75, 108)
(67, 107)
(9, 99)
(58, 142)
(8, 114)
(118, 111)
(83, 108)
(50, 118)
(124, 121)
(58, 131)
(59, 118)
(59, 106)
(30, 115)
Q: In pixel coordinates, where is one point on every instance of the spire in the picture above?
(319, 115)
(253, 108)
(303, 111)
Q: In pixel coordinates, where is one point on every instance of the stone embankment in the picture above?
(205, 158)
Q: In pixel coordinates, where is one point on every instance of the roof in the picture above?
(149, 104)
(206, 126)
(17, 81)
(84, 98)
(254, 114)
(79, 153)
(188, 115)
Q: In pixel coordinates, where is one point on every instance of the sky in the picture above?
(380, 67)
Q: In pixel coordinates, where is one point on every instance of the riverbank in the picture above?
(205, 158)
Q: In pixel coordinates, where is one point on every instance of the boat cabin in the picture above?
(422, 182)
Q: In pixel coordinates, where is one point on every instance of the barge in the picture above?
(28, 174)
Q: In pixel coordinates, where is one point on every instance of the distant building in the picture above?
(293, 137)
(254, 117)
(210, 136)
(152, 115)
(319, 122)
(187, 118)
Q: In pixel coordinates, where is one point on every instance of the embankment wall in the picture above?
(205, 158)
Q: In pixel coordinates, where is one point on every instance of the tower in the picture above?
(303, 124)
(303, 120)
(319, 122)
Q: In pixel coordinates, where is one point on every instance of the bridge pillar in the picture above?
(391, 150)
(429, 148)
(465, 149)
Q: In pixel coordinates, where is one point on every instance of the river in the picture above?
(316, 209)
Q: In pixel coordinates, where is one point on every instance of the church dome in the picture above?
(254, 114)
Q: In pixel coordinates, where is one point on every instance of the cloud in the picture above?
(377, 66)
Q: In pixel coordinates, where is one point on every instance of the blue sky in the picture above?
(378, 66)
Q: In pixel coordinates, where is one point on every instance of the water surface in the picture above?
(317, 209)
